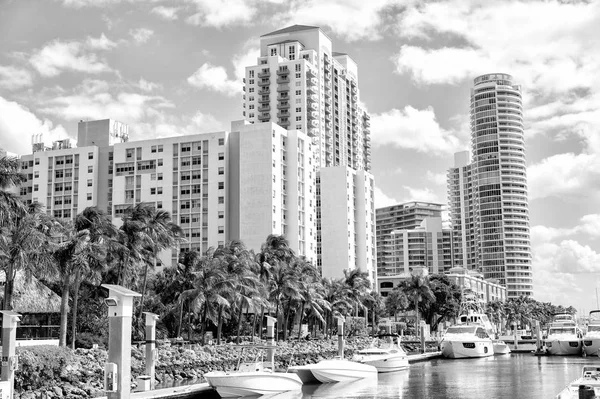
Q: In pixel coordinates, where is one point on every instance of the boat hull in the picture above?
(501, 348)
(341, 370)
(591, 346)
(304, 373)
(463, 349)
(564, 347)
(384, 363)
(238, 384)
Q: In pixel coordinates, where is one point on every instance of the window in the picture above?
(221, 214)
(298, 109)
(36, 173)
(160, 176)
(153, 149)
(159, 190)
(221, 200)
(90, 169)
(159, 204)
(298, 68)
(221, 229)
(89, 197)
(90, 155)
(298, 118)
(221, 170)
(160, 149)
(89, 183)
(37, 161)
(35, 187)
(298, 75)
(221, 141)
(221, 185)
(221, 156)
(160, 162)
(298, 92)
(152, 191)
(273, 51)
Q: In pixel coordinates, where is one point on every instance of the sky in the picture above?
(168, 67)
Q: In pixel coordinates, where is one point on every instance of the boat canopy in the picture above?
(464, 329)
(562, 330)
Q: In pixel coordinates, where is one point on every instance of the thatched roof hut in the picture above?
(31, 296)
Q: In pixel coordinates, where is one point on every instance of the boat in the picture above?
(588, 382)
(591, 339)
(561, 318)
(468, 340)
(564, 338)
(251, 379)
(386, 358)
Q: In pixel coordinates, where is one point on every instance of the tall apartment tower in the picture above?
(300, 83)
(405, 216)
(494, 198)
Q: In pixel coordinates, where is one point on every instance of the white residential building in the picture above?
(300, 83)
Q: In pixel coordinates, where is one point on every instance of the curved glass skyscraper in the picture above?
(490, 194)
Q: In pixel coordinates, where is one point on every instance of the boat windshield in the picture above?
(461, 330)
(562, 330)
(563, 317)
(593, 328)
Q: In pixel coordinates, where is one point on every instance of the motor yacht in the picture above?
(388, 357)
(589, 382)
(591, 340)
(564, 338)
(467, 340)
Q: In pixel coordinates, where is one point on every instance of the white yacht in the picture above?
(466, 340)
(564, 338)
(252, 379)
(340, 370)
(591, 340)
(590, 380)
(386, 358)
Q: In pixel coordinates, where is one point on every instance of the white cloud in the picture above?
(382, 200)
(18, 124)
(141, 35)
(101, 43)
(221, 13)
(242, 60)
(57, 57)
(215, 78)
(421, 194)
(168, 13)
(147, 86)
(565, 176)
(437, 178)
(170, 126)
(12, 78)
(414, 129)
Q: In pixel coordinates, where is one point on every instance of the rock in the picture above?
(28, 395)
(57, 391)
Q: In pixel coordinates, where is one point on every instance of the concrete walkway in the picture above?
(174, 392)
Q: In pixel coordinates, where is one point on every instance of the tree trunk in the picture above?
(300, 311)
(189, 326)
(286, 314)
(64, 304)
(8, 288)
(144, 289)
(253, 325)
(417, 317)
(239, 329)
(219, 324)
(74, 311)
(260, 322)
(180, 319)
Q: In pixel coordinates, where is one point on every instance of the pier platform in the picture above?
(182, 391)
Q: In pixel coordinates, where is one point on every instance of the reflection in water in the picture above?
(512, 376)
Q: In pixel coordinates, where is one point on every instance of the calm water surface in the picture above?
(501, 376)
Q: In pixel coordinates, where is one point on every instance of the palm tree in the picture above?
(395, 302)
(283, 286)
(358, 284)
(24, 245)
(159, 233)
(11, 206)
(189, 263)
(337, 294)
(418, 290)
(134, 242)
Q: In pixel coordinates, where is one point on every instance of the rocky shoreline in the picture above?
(82, 375)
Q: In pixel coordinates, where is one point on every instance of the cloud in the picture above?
(242, 60)
(589, 226)
(168, 13)
(12, 78)
(141, 35)
(17, 124)
(568, 176)
(221, 13)
(437, 178)
(170, 126)
(101, 43)
(147, 86)
(382, 200)
(215, 78)
(57, 57)
(414, 129)
(422, 195)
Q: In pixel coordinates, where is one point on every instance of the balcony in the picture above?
(283, 72)
(283, 106)
(312, 81)
(283, 80)
(313, 132)
(264, 108)
(312, 98)
(311, 89)
(367, 123)
(313, 105)
(264, 117)
(310, 73)
(354, 90)
(264, 100)
(312, 115)
(265, 91)
(284, 123)
(328, 93)
(283, 88)
(283, 97)
(283, 114)
(264, 74)
(313, 123)
(264, 82)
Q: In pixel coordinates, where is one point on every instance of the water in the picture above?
(500, 376)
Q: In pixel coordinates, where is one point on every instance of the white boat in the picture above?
(563, 318)
(468, 340)
(252, 379)
(340, 370)
(500, 347)
(564, 338)
(386, 358)
(590, 379)
(591, 340)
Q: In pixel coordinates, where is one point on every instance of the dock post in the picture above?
(271, 340)
(10, 363)
(516, 342)
(117, 372)
(422, 339)
(151, 319)
(340, 332)
(538, 336)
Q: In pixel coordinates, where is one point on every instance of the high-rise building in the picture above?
(493, 223)
(300, 83)
(405, 216)
(258, 180)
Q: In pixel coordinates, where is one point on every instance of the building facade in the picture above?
(300, 83)
(406, 216)
(494, 229)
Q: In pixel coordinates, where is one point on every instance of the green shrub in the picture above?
(41, 365)
(87, 340)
